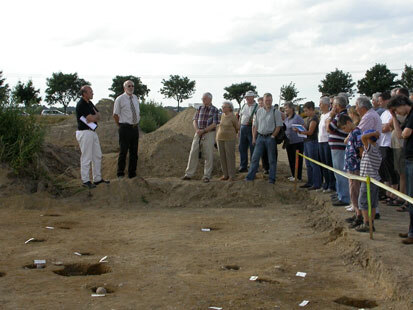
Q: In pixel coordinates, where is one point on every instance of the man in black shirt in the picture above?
(403, 106)
(87, 117)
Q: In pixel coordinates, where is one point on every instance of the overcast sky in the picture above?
(216, 43)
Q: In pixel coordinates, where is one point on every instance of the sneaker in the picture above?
(319, 190)
(291, 179)
(266, 172)
(205, 180)
(327, 190)
(242, 170)
(101, 181)
(350, 209)
(365, 228)
(89, 185)
(351, 219)
(357, 222)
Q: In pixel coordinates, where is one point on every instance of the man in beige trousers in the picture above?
(205, 122)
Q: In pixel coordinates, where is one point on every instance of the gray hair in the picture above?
(325, 100)
(375, 96)
(345, 95)
(207, 94)
(290, 105)
(229, 103)
(394, 91)
(341, 101)
(364, 102)
(126, 82)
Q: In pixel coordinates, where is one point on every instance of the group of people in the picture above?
(373, 138)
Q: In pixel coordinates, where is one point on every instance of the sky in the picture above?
(215, 43)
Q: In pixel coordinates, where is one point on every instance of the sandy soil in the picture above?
(157, 256)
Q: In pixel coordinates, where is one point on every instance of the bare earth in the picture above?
(159, 258)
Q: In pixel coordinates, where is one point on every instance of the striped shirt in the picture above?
(370, 162)
(337, 136)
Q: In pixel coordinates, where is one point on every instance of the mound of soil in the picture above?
(181, 123)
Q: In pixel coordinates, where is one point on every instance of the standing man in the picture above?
(375, 101)
(336, 138)
(205, 122)
(267, 125)
(127, 115)
(245, 137)
(87, 117)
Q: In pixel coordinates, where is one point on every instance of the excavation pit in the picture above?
(73, 270)
(357, 303)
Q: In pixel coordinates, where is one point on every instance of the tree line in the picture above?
(63, 88)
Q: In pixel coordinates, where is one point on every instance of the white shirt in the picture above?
(385, 137)
(123, 109)
(246, 112)
(322, 130)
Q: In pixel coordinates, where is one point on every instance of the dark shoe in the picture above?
(365, 228)
(102, 181)
(408, 241)
(89, 185)
(185, 178)
(339, 203)
(305, 186)
(357, 222)
(403, 235)
(377, 216)
(313, 188)
(205, 180)
(266, 172)
(131, 176)
(242, 170)
(271, 181)
(351, 219)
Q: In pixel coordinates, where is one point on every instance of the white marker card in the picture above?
(205, 229)
(49, 227)
(98, 295)
(103, 259)
(215, 308)
(301, 274)
(39, 261)
(77, 253)
(253, 278)
(90, 125)
(27, 241)
(304, 303)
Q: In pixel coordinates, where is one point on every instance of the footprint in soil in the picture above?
(52, 215)
(230, 267)
(357, 303)
(71, 270)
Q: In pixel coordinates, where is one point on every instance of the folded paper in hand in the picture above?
(91, 124)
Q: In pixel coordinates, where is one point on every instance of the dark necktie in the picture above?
(132, 107)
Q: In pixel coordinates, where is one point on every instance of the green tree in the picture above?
(4, 90)
(140, 90)
(178, 88)
(407, 77)
(63, 88)
(337, 82)
(26, 93)
(290, 93)
(377, 79)
(237, 91)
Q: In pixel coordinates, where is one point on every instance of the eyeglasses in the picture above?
(131, 86)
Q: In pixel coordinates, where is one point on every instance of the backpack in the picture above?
(281, 137)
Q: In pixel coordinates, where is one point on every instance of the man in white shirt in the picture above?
(246, 116)
(127, 115)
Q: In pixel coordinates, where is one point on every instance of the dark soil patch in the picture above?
(33, 266)
(2, 274)
(83, 270)
(264, 280)
(231, 267)
(51, 215)
(357, 303)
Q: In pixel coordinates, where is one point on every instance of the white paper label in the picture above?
(49, 227)
(301, 274)
(98, 295)
(39, 261)
(27, 241)
(253, 278)
(103, 259)
(304, 303)
(205, 229)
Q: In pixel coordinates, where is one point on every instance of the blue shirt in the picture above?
(352, 152)
(290, 133)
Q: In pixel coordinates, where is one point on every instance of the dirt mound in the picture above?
(181, 123)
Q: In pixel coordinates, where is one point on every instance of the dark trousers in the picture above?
(325, 158)
(128, 141)
(245, 143)
(291, 148)
(264, 160)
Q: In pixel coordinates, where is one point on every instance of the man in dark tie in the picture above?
(127, 115)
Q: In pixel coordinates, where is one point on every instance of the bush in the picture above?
(153, 116)
(21, 139)
(148, 123)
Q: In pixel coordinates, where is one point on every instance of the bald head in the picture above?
(86, 92)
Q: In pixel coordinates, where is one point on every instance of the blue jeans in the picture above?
(325, 158)
(341, 182)
(409, 191)
(245, 142)
(270, 145)
(313, 170)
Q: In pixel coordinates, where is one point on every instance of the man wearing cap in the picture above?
(246, 116)
(87, 116)
(127, 115)
(205, 122)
